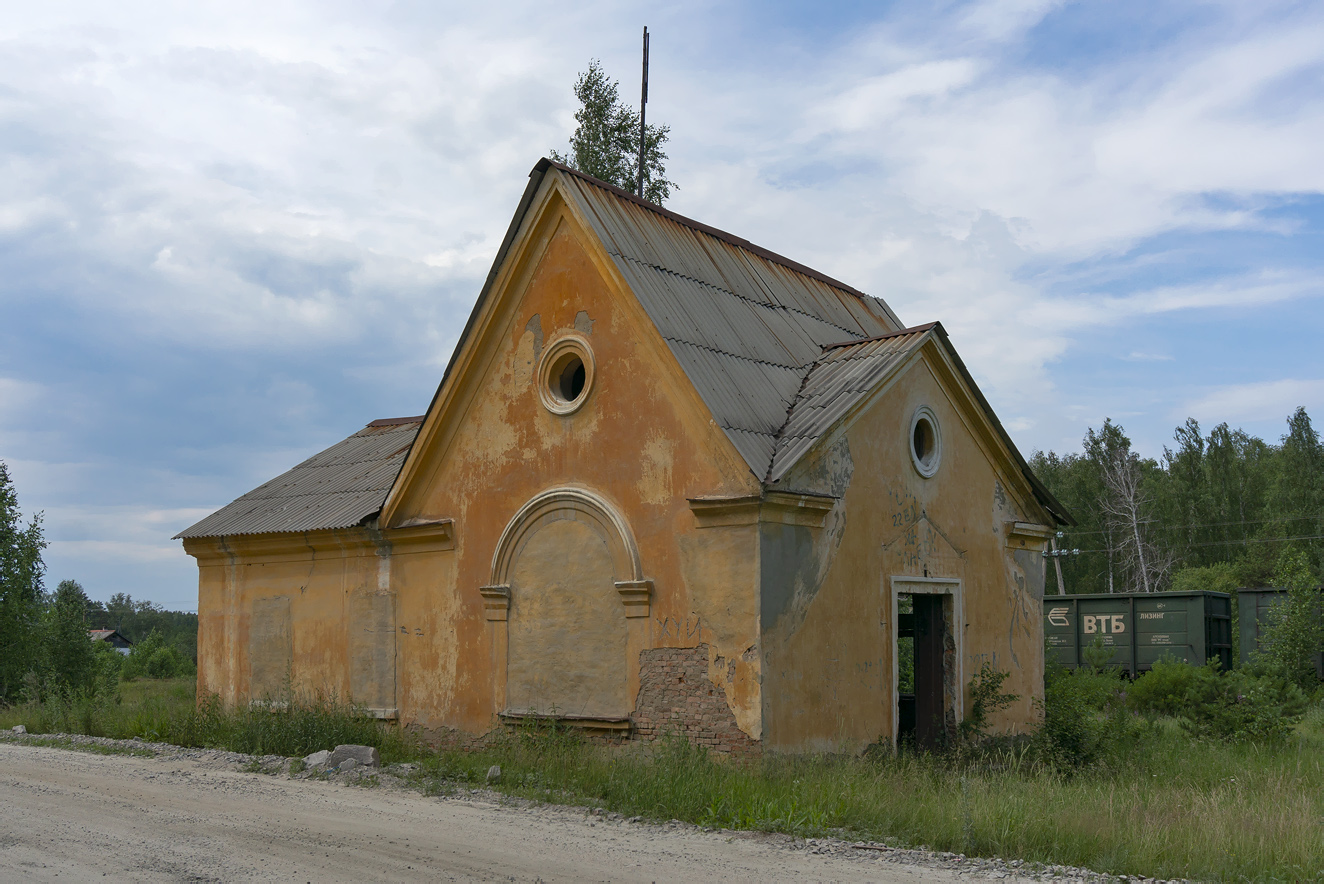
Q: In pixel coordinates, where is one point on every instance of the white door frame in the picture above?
(894, 587)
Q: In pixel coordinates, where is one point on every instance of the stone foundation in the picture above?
(676, 698)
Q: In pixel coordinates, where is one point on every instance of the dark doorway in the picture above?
(920, 681)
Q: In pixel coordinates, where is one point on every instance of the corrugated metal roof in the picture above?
(338, 488)
(744, 323)
(839, 379)
(778, 351)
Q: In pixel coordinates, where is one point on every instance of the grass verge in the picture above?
(1170, 806)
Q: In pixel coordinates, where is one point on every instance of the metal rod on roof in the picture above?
(643, 106)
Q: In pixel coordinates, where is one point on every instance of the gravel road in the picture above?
(185, 815)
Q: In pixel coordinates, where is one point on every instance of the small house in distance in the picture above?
(111, 637)
(670, 482)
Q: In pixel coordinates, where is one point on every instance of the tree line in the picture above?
(45, 648)
(1215, 511)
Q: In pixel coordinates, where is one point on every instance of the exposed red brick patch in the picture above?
(676, 697)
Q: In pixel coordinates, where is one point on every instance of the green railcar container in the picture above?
(1254, 607)
(1140, 628)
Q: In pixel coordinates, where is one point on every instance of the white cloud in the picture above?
(1260, 401)
(334, 178)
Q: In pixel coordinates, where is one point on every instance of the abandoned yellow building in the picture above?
(670, 482)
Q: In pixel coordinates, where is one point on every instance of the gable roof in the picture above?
(846, 373)
(777, 351)
(743, 322)
(343, 486)
(840, 377)
(109, 635)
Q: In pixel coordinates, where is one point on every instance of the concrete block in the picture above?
(367, 756)
(347, 765)
(317, 758)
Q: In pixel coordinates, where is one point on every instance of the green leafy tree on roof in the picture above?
(606, 141)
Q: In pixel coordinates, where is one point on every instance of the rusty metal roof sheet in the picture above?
(341, 487)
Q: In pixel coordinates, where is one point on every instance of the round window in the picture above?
(565, 374)
(925, 441)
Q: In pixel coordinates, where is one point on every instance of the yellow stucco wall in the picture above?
(642, 442)
(422, 618)
(828, 646)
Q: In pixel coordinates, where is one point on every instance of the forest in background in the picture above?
(1215, 511)
(45, 648)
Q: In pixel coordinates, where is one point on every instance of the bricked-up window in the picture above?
(566, 375)
(925, 441)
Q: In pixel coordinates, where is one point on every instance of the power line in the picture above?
(1242, 541)
(1206, 524)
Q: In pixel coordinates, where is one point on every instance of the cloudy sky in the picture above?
(233, 233)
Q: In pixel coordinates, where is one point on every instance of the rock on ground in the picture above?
(364, 756)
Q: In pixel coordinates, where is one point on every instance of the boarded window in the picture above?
(270, 649)
(372, 650)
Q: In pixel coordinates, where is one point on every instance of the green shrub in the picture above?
(1294, 634)
(1085, 719)
(1251, 704)
(985, 699)
(1097, 655)
(153, 657)
(1163, 690)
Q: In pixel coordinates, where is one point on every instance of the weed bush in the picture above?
(1250, 704)
(1163, 690)
(985, 698)
(301, 726)
(1085, 721)
(153, 657)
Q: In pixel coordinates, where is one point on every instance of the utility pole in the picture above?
(643, 106)
(1057, 563)
(1056, 555)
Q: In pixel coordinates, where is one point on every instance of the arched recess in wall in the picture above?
(567, 581)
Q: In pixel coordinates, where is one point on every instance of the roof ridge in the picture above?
(731, 238)
(896, 334)
(745, 298)
(396, 421)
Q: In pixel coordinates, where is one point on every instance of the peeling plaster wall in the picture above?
(828, 650)
(272, 614)
(642, 441)
(789, 616)
(678, 698)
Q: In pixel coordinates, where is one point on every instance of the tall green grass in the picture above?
(166, 710)
(1169, 807)
(1175, 809)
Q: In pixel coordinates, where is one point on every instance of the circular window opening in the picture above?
(570, 375)
(565, 373)
(925, 442)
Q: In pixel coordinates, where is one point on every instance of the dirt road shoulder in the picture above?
(159, 812)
